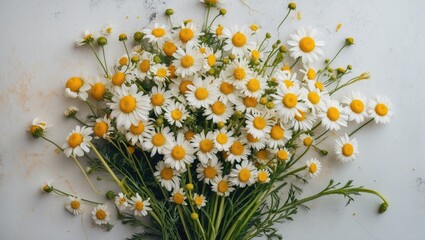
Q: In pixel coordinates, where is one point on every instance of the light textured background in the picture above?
(37, 55)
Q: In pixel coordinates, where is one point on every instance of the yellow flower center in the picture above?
(313, 168)
(250, 102)
(237, 148)
(218, 108)
(319, 85)
(198, 200)
(157, 99)
(74, 84)
(169, 48)
(172, 71)
(262, 154)
(145, 65)
(75, 204)
(222, 187)
(201, 93)
(288, 83)
(259, 123)
(100, 129)
(127, 104)
(178, 198)
(262, 177)
(210, 172)
(307, 44)
(254, 27)
(244, 175)
(167, 173)
(357, 106)
(311, 74)
(100, 214)
(189, 135)
(255, 54)
(130, 149)
(183, 86)
(226, 88)
(178, 152)
(161, 72)
(239, 39)
(186, 34)
(118, 78)
(307, 141)
(176, 114)
(286, 68)
(253, 85)
(75, 140)
(333, 113)
(313, 97)
(98, 90)
(187, 61)
(300, 116)
(123, 61)
(35, 128)
(219, 30)
(251, 138)
(139, 206)
(122, 200)
(222, 138)
(137, 130)
(277, 132)
(206, 145)
(381, 109)
(290, 100)
(158, 32)
(282, 155)
(202, 50)
(158, 139)
(211, 59)
(87, 37)
(239, 73)
(347, 149)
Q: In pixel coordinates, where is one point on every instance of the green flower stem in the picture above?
(59, 192)
(171, 22)
(321, 135)
(201, 228)
(79, 120)
(50, 141)
(220, 213)
(364, 124)
(153, 214)
(212, 21)
(280, 24)
(85, 174)
(293, 172)
(329, 63)
(206, 18)
(299, 157)
(104, 60)
(183, 222)
(128, 56)
(98, 59)
(295, 62)
(102, 160)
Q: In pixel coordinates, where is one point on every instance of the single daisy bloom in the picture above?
(38, 127)
(73, 205)
(334, 116)
(346, 149)
(238, 41)
(313, 167)
(169, 48)
(227, 91)
(107, 29)
(207, 172)
(251, 141)
(175, 113)
(77, 87)
(137, 133)
(100, 214)
(254, 87)
(263, 176)
(129, 106)
(156, 141)
(204, 147)
(249, 105)
(77, 141)
(238, 151)
(319, 86)
(159, 97)
(167, 176)
(219, 112)
(263, 156)
(381, 109)
(187, 35)
(144, 65)
(119, 79)
(202, 93)
(187, 62)
(244, 174)
(309, 72)
(256, 54)
(303, 121)
(314, 99)
(303, 44)
(88, 37)
(258, 124)
(158, 34)
(238, 73)
(222, 185)
(179, 85)
(178, 197)
(210, 57)
(71, 111)
(355, 107)
(98, 88)
(279, 135)
(217, 30)
(139, 206)
(179, 153)
(102, 128)
(286, 78)
(287, 102)
(306, 139)
(121, 201)
(122, 61)
(223, 139)
(160, 73)
(199, 200)
(212, 2)
(282, 154)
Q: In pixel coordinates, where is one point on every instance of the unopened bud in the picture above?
(223, 11)
(292, 5)
(169, 12)
(110, 195)
(102, 41)
(189, 186)
(122, 37)
(349, 41)
(138, 36)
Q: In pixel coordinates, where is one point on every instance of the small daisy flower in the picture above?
(204, 147)
(71, 111)
(244, 174)
(238, 73)
(102, 128)
(278, 136)
(199, 200)
(98, 88)
(303, 44)
(306, 139)
(77, 141)
(238, 151)
(144, 65)
(129, 106)
(286, 78)
(158, 34)
(222, 185)
(107, 30)
(169, 48)
(282, 154)
(381, 109)
(156, 141)
(313, 167)
(178, 197)
(187, 35)
(219, 112)
(38, 127)
(179, 153)
(256, 54)
(303, 121)
(318, 85)
(167, 176)
(309, 72)
(346, 149)
(263, 156)
(100, 214)
(179, 85)
(202, 93)
(159, 97)
(119, 79)
(209, 171)
(73, 205)
(175, 113)
(227, 92)
(248, 105)
(251, 141)
(287, 103)
(137, 133)
(258, 124)
(217, 30)
(46, 187)
(121, 201)
(314, 99)
(160, 73)
(88, 37)
(187, 62)
(139, 206)
(212, 2)
(77, 87)
(210, 57)
(334, 116)
(254, 87)
(356, 107)
(263, 176)
(223, 139)
(238, 41)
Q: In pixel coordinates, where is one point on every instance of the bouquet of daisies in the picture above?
(205, 129)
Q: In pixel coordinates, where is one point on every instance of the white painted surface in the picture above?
(37, 55)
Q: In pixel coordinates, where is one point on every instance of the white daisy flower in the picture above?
(169, 48)
(346, 149)
(278, 136)
(139, 206)
(209, 171)
(263, 176)
(100, 214)
(318, 85)
(314, 99)
(119, 79)
(251, 141)
(244, 174)
(159, 97)
(306, 139)
(199, 200)
(137, 133)
(77, 87)
(222, 185)
(238, 41)
(178, 197)
(227, 91)
(179, 153)
(187, 62)
(309, 72)
(303, 44)
(102, 128)
(238, 72)
(98, 88)
(213, 2)
(238, 151)
(254, 87)
(202, 93)
(175, 113)
(223, 139)
(158, 34)
(219, 112)
(258, 124)
(334, 116)
(381, 109)
(249, 105)
(217, 30)
(287, 103)
(160, 73)
(144, 65)
(282, 154)
(167, 176)
(210, 57)
(286, 78)
(107, 30)
(129, 106)
(155, 141)
(77, 141)
(204, 147)
(73, 205)
(87, 37)
(38, 127)
(70, 111)
(313, 167)
(187, 35)
(256, 54)
(356, 107)
(263, 156)
(179, 85)
(303, 121)
(121, 201)
(122, 61)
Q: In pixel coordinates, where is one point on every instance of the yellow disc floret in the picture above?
(75, 140)
(239, 39)
(178, 152)
(381, 109)
(127, 104)
(357, 106)
(307, 44)
(290, 100)
(333, 114)
(244, 175)
(187, 61)
(74, 84)
(347, 149)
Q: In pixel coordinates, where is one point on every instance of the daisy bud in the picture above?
(159, 121)
(330, 70)
(263, 100)
(349, 41)
(238, 114)
(327, 60)
(122, 37)
(36, 131)
(46, 187)
(292, 5)
(211, 71)
(283, 49)
(110, 195)
(135, 59)
(383, 207)
(270, 105)
(268, 35)
(232, 57)
(274, 46)
(349, 67)
(102, 41)
(223, 11)
(157, 59)
(324, 152)
(220, 125)
(194, 216)
(71, 111)
(169, 12)
(340, 70)
(89, 170)
(225, 60)
(138, 36)
(278, 42)
(189, 186)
